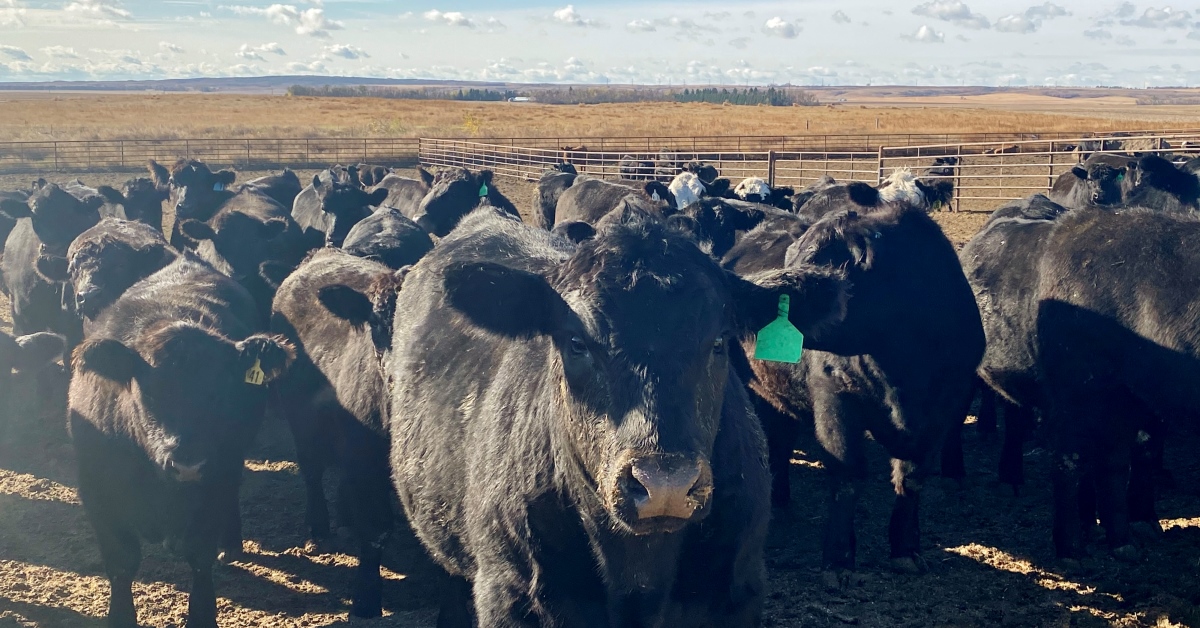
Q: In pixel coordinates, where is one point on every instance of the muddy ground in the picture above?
(991, 562)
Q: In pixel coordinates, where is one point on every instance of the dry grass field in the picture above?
(991, 559)
(76, 116)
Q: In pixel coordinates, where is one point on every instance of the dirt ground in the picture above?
(989, 551)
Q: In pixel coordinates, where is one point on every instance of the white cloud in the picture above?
(840, 17)
(99, 9)
(306, 22)
(315, 67)
(452, 18)
(60, 52)
(1165, 17)
(256, 53)
(1098, 33)
(569, 16)
(640, 26)
(1016, 24)
(740, 43)
(12, 13)
(167, 46)
(779, 27)
(12, 52)
(1124, 41)
(346, 51)
(925, 35)
(1046, 11)
(1194, 35)
(954, 11)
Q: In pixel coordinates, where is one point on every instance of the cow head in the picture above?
(640, 398)
(716, 222)
(57, 218)
(142, 200)
(454, 194)
(1104, 183)
(199, 420)
(346, 204)
(106, 260)
(242, 241)
(25, 354)
(375, 310)
(199, 192)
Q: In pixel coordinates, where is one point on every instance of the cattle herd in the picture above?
(569, 411)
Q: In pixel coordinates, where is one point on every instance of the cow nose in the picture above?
(667, 487)
(85, 298)
(184, 472)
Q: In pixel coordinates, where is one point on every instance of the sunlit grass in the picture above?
(35, 488)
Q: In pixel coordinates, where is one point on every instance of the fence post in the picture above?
(247, 151)
(187, 149)
(771, 168)
(56, 156)
(307, 154)
(958, 170)
(122, 153)
(879, 166)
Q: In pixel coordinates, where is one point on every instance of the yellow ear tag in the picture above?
(255, 376)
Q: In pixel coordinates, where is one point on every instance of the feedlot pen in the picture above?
(988, 174)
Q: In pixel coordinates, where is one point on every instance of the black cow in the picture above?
(1117, 355)
(575, 460)
(404, 193)
(835, 197)
(757, 190)
(631, 168)
(588, 199)
(23, 360)
(1164, 186)
(371, 175)
(455, 193)
(283, 187)
(1192, 166)
(716, 223)
(1102, 180)
(337, 310)
(893, 370)
(251, 238)
(332, 210)
(104, 261)
(707, 172)
(161, 460)
(306, 209)
(141, 200)
(197, 193)
(550, 187)
(388, 237)
(47, 224)
(803, 196)
(14, 202)
(1002, 265)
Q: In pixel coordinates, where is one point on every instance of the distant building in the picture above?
(520, 99)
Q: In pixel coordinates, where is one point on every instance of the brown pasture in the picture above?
(990, 554)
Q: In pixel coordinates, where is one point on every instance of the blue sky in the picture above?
(805, 42)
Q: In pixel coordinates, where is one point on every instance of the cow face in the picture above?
(199, 192)
(105, 261)
(143, 201)
(754, 190)
(25, 354)
(241, 240)
(454, 194)
(1103, 182)
(200, 410)
(640, 394)
(346, 204)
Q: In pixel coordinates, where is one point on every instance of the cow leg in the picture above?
(1145, 460)
(782, 433)
(954, 465)
(904, 528)
(1112, 483)
(986, 419)
(367, 487)
(501, 597)
(122, 555)
(457, 608)
(202, 601)
(1073, 510)
(1018, 423)
(230, 547)
(316, 509)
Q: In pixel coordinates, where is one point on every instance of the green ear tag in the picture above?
(255, 376)
(483, 191)
(780, 341)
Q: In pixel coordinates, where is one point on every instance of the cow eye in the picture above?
(578, 346)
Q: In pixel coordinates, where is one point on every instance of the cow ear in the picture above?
(426, 176)
(346, 303)
(316, 182)
(93, 203)
(37, 350)
(111, 194)
(158, 173)
(272, 228)
(38, 183)
(503, 300)
(226, 177)
(719, 187)
(109, 359)
(197, 230)
(575, 230)
(53, 268)
(1079, 173)
(863, 194)
(272, 354)
(15, 209)
(485, 176)
(685, 224)
(817, 297)
(377, 197)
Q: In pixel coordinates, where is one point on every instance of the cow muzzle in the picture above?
(663, 493)
(184, 472)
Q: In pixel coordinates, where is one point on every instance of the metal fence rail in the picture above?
(782, 167)
(989, 174)
(74, 156)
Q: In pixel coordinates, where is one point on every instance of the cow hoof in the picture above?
(910, 565)
(836, 580)
(1127, 553)
(1146, 529)
(227, 556)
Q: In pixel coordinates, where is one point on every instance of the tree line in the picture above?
(585, 95)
